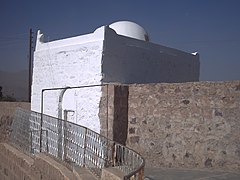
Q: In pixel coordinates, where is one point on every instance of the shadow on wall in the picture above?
(127, 60)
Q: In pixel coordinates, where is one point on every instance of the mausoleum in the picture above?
(117, 53)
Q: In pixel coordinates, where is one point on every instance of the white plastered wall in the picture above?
(66, 63)
(128, 60)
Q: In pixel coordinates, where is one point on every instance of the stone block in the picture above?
(134, 139)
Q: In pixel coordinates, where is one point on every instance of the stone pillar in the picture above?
(114, 112)
(120, 121)
(106, 111)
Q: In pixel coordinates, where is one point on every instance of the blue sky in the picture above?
(211, 27)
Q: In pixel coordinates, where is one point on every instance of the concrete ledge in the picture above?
(112, 174)
(14, 164)
(51, 168)
(17, 165)
(83, 173)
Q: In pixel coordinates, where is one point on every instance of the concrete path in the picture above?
(186, 174)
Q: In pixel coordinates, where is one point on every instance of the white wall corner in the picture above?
(39, 40)
(195, 53)
(99, 33)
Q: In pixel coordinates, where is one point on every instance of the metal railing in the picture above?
(73, 144)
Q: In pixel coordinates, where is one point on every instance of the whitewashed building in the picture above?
(120, 52)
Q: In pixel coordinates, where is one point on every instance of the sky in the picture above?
(210, 27)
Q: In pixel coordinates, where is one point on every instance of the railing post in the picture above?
(113, 154)
(85, 147)
(141, 174)
(107, 113)
(65, 135)
(41, 123)
(31, 142)
(65, 141)
(47, 140)
(60, 138)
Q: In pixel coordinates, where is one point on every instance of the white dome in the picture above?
(130, 29)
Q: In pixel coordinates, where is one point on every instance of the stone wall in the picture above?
(7, 110)
(189, 125)
(16, 165)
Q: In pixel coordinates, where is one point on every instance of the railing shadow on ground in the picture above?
(73, 145)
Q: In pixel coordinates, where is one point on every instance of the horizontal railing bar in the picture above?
(75, 87)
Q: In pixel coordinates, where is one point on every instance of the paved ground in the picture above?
(186, 174)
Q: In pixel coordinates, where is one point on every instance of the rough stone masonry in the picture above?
(182, 125)
(194, 125)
